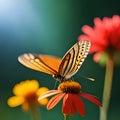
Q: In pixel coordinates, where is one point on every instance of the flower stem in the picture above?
(34, 113)
(107, 89)
(67, 117)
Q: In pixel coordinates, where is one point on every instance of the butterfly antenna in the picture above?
(89, 78)
(55, 85)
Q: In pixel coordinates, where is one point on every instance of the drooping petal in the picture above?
(91, 98)
(97, 56)
(49, 93)
(79, 105)
(73, 109)
(54, 100)
(67, 104)
(15, 101)
(25, 106)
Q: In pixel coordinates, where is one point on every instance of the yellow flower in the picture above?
(26, 94)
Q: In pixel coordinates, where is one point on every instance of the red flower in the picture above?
(104, 36)
(70, 91)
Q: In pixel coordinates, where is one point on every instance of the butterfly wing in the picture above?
(43, 63)
(73, 59)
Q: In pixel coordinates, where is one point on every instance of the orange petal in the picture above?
(49, 93)
(67, 104)
(79, 105)
(53, 101)
(91, 98)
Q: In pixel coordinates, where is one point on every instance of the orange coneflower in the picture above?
(71, 93)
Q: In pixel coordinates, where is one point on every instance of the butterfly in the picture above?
(61, 69)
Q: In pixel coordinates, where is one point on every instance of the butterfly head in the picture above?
(59, 78)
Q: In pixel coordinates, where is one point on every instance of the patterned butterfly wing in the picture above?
(43, 63)
(73, 59)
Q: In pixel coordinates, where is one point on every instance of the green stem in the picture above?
(107, 89)
(67, 117)
(34, 113)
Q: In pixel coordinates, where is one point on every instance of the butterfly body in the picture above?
(61, 69)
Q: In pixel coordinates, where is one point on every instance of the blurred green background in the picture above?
(51, 27)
